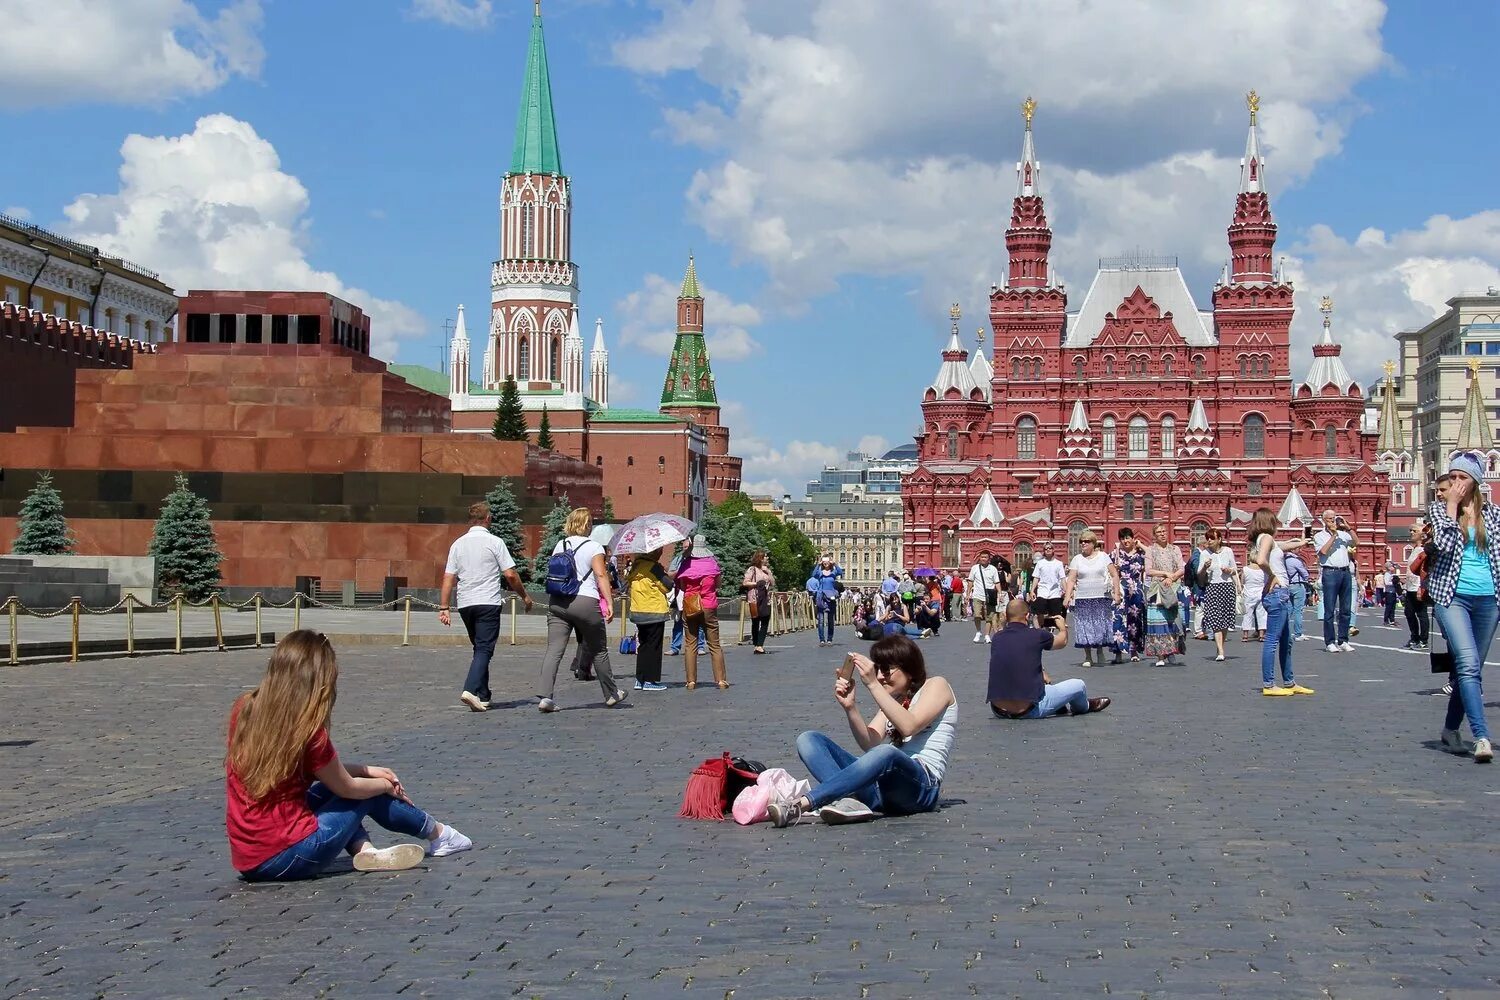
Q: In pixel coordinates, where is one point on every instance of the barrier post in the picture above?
(624, 612)
(76, 604)
(257, 621)
(744, 615)
(129, 624)
(406, 623)
(218, 622)
(15, 639)
(514, 604)
(177, 599)
(296, 611)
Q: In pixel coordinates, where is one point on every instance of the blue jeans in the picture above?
(885, 779)
(1338, 588)
(1070, 694)
(340, 828)
(1469, 626)
(1277, 645)
(677, 636)
(1299, 604)
(825, 621)
(482, 622)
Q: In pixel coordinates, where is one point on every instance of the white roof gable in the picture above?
(986, 510)
(1165, 285)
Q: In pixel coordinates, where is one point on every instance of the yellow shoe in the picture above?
(1299, 689)
(1276, 692)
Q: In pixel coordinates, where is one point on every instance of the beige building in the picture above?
(1437, 415)
(865, 537)
(49, 273)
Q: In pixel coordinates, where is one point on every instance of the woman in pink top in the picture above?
(698, 579)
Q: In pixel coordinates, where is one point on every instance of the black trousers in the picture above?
(1417, 620)
(648, 653)
(1390, 606)
(758, 629)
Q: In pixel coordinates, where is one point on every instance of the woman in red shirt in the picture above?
(291, 804)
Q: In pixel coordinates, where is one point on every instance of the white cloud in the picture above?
(455, 13)
(873, 444)
(214, 209)
(16, 212)
(622, 391)
(123, 51)
(649, 320)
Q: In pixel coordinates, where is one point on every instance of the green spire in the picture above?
(690, 281)
(536, 130)
(690, 381)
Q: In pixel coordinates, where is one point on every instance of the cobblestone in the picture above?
(1195, 840)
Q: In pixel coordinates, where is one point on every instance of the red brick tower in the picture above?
(689, 390)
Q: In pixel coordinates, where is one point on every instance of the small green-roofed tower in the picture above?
(690, 381)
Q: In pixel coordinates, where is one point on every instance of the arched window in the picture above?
(950, 547)
(528, 229)
(1330, 441)
(1108, 447)
(554, 360)
(1026, 438)
(1015, 368)
(1078, 368)
(1255, 436)
(1109, 365)
(1036, 368)
(1242, 366)
(1074, 530)
(1166, 365)
(1198, 365)
(1200, 529)
(1148, 507)
(1022, 554)
(1168, 437)
(952, 442)
(1130, 506)
(1140, 438)
(523, 359)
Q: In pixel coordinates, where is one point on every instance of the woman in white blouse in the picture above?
(1220, 578)
(1092, 589)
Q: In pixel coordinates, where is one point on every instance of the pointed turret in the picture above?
(599, 367)
(980, 368)
(1328, 367)
(1474, 430)
(986, 511)
(1252, 234)
(572, 358)
(954, 373)
(690, 383)
(1294, 510)
(1391, 439)
(535, 150)
(690, 281)
(1198, 446)
(458, 358)
(1028, 240)
(1078, 440)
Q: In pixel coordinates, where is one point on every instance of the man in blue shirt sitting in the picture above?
(1019, 687)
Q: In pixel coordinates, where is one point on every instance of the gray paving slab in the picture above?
(1195, 840)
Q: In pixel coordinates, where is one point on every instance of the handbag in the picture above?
(692, 604)
(629, 645)
(1440, 661)
(714, 784)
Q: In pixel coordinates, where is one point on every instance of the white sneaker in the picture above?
(450, 841)
(546, 705)
(1483, 754)
(1346, 647)
(848, 810)
(1452, 742)
(388, 859)
(1333, 647)
(986, 638)
(978, 637)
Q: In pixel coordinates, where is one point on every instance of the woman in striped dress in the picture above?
(1092, 589)
(1221, 578)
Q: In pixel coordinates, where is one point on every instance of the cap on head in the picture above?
(1467, 463)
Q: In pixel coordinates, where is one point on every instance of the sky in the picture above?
(842, 169)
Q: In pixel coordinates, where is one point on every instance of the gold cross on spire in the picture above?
(1474, 365)
(979, 336)
(1028, 108)
(1390, 369)
(954, 315)
(1326, 308)
(1252, 101)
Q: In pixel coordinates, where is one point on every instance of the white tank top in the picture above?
(1278, 562)
(932, 746)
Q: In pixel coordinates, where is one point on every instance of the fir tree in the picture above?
(733, 536)
(187, 556)
(44, 530)
(505, 523)
(607, 514)
(544, 431)
(510, 421)
(552, 533)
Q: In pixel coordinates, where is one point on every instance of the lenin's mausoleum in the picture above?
(1137, 408)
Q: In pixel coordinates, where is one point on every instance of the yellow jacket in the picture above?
(648, 588)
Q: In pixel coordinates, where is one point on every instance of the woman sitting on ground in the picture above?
(907, 742)
(292, 805)
(866, 618)
(897, 620)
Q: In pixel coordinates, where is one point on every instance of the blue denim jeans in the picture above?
(340, 828)
(1069, 693)
(1299, 604)
(1338, 590)
(482, 622)
(676, 646)
(1469, 626)
(885, 779)
(825, 621)
(1277, 645)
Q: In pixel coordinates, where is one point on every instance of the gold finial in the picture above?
(1474, 365)
(1326, 308)
(1390, 369)
(954, 314)
(1028, 108)
(979, 336)
(1252, 101)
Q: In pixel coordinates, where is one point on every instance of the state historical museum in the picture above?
(1138, 408)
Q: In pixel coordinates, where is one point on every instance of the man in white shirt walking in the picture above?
(1047, 578)
(477, 563)
(984, 586)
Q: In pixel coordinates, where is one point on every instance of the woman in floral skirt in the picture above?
(1129, 632)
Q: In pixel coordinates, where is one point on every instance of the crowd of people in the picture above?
(292, 806)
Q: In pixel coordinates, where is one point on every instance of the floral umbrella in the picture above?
(650, 531)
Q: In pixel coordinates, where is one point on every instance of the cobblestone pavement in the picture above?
(1195, 840)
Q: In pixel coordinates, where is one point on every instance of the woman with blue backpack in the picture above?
(579, 598)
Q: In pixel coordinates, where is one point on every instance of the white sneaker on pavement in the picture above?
(986, 638)
(450, 841)
(1333, 647)
(848, 810)
(1483, 753)
(388, 859)
(978, 637)
(1346, 647)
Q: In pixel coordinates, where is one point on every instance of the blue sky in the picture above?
(841, 170)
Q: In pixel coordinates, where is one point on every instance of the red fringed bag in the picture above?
(713, 785)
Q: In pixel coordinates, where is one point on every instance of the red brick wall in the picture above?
(40, 358)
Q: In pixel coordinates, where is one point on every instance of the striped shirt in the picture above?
(1442, 576)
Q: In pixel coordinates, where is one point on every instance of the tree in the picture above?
(732, 533)
(552, 533)
(505, 523)
(510, 421)
(544, 431)
(44, 530)
(791, 553)
(187, 555)
(607, 514)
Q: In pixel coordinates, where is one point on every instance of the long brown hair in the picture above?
(1472, 509)
(899, 651)
(277, 720)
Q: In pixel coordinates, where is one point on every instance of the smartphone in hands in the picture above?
(846, 669)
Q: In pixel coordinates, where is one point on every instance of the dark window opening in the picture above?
(227, 328)
(253, 329)
(197, 328)
(309, 329)
(279, 325)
